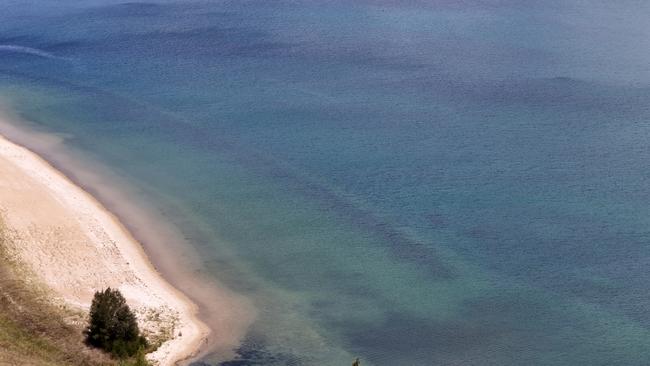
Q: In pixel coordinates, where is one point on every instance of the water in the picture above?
(411, 183)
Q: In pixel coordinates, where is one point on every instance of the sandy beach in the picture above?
(77, 247)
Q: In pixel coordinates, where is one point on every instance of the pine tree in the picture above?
(113, 326)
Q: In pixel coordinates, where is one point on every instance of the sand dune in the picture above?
(77, 247)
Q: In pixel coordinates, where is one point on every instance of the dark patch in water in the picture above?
(437, 221)
(213, 35)
(408, 340)
(128, 9)
(22, 40)
(254, 352)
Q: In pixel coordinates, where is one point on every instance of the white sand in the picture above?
(77, 247)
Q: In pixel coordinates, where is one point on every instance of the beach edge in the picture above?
(194, 332)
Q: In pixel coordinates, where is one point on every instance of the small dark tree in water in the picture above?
(113, 326)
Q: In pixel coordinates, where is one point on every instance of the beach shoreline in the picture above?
(78, 247)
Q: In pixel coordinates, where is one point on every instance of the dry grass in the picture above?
(34, 330)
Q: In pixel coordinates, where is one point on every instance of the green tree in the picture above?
(113, 326)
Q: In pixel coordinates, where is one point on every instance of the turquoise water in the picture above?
(411, 183)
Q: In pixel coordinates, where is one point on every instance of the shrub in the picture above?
(113, 326)
(138, 360)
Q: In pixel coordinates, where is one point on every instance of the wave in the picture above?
(29, 51)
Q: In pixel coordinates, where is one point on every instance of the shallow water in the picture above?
(411, 183)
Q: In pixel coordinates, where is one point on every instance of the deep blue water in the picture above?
(411, 183)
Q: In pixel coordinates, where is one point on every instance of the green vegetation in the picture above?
(34, 330)
(137, 360)
(113, 326)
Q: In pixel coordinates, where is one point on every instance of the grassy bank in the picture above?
(34, 330)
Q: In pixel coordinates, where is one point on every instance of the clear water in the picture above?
(411, 183)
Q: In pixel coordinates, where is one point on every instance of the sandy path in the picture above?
(78, 247)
